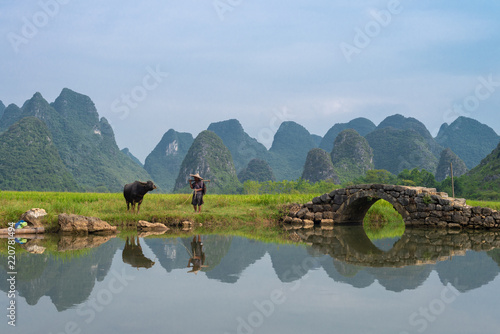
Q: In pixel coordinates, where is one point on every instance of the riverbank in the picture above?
(235, 213)
(218, 211)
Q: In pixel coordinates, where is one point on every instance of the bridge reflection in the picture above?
(350, 244)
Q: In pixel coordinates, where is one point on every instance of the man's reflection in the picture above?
(197, 259)
(133, 255)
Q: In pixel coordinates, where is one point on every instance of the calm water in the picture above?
(337, 282)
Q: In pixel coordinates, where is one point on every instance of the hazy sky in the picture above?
(154, 65)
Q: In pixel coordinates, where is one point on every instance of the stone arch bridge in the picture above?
(419, 206)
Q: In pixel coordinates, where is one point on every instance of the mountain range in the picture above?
(82, 153)
(85, 144)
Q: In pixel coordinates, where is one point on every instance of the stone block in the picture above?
(476, 220)
(309, 215)
(458, 218)
(308, 223)
(353, 190)
(443, 201)
(328, 215)
(423, 215)
(316, 200)
(404, 200)
(411, 192)
(422, 207)
(486, 212)
(411, 207)
(477, 210)
(327, 207)
(399, 189)
(340, 192)
(394, 194)
(467, 212)
(325, 198)
(442, 224)
(339, 199)
(432, 221)
(287, 220)
(317, 208)
(327, 222)
(302, 213)
(318, 216)
(437, 214)
(489, 221)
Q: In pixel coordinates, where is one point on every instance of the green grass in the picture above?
(485, 204)
(383, 221)
(245, 215)
(225, 211)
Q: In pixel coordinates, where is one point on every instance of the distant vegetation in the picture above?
(29, 159)
(299, 186)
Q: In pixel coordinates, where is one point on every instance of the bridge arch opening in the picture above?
(383, 225)
(355, 208)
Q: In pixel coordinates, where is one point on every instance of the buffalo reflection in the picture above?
(132, 254)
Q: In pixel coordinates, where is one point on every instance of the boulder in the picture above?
(187, 223)
(34, 216)
(147, 226)
(70, 223)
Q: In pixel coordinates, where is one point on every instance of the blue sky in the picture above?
(154, 65)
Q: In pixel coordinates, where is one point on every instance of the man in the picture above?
(199, 188)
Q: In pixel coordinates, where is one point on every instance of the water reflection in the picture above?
(350, 244)
(197, 256)
(66, 281)
(132, 254)
(345, 254)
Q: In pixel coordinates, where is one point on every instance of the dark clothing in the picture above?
(197, 198)
(198, 194)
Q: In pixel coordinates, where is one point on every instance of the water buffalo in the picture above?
(134, 192)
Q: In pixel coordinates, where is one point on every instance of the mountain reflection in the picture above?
(345, 254)
(67, 282)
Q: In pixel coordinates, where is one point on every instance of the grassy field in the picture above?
(236, 214)
(227, 211)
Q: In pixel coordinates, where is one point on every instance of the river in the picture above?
(334, 281)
